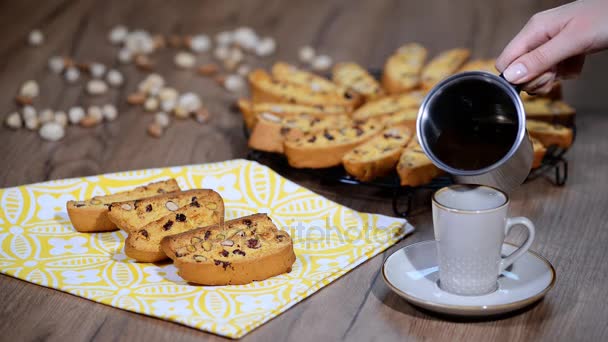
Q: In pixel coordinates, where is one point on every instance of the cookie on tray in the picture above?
(442, 66)
(402, 69)
(354, 77)
(414, 167)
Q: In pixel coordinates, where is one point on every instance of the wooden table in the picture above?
(571, 221)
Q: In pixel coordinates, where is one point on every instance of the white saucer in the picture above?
(412, 273)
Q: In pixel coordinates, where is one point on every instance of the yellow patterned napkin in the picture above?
(39, 245)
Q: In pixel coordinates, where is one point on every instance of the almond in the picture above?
(171, 206)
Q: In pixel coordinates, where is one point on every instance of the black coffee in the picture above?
(474, 124)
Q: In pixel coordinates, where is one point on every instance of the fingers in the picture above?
(532, 64)
(538, 30)
(571, 67)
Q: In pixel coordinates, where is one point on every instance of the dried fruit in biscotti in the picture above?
(414, 167)
(378, 156)
(144, 243)
(92, 215)
(328, 147)
(539, 152)
(272, 131)
(240, 251)
(266, 89)
(442, 66)
(550, 134)
(402, 69)
(355, 78)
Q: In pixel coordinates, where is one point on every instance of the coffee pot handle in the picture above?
(517, 87)
(512, 222)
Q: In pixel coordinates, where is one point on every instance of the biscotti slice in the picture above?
(402, 69)
(414, 167)
(487, 65)
(251, 110)
(144, 244)
(272, 131)
(91, 215)
(353, 77)
(132, 215)
(539, 152)
(547, 110)
(554, 94)
(243, 250)
(327, 148)
(405, 117)
(442, 66)
(550, 134)
(266, 89)
(378, 156)
(388, 105)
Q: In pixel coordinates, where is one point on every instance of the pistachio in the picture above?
(199, 258)
(207, 246)
(195, 240)
(211, 205)
(220, 236)
(95, 201)
(191, 248)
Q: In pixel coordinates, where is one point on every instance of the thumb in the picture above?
(532, 64)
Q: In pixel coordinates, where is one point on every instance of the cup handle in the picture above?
(511, 222)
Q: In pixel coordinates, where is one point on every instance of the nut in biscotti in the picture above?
(92, 215)
(240, 251)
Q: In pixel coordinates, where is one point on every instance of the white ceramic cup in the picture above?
(471, 223)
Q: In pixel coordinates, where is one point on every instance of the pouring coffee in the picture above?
(472, 125)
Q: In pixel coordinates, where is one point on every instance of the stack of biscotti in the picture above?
(539, 152)
(402, 69)
(388, 105)
(553, 111)
(92, 215)
(378, 156)
(240, 251)
(487, 65)
(327, 148)
(414, 167)
(355, 78)
(272, 131)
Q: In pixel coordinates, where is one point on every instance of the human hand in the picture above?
(553, 45)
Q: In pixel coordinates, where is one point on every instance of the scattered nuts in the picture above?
(155, 130)
(23, 101)
(46, 115)
(13, 121)
(175, 41)
(167, 105)
(89, 121)
(151, 104)
(51, 131)
(234, 83)
(162, 119)
(181, 112)
(75, 115)
(228, 243)
(126, 206)
(166, 94)
(114, 78)
(224, 38)
(29, 89)
(208, 69)
(221, 52)
(95, 112)
(321, 63)
(56, 64)
(125, 56)
(231, 64)
(83, 66)
(189, 102)
(139, 42)
(201, 115)
(159, 41)
(207, 246)
(306, 54)
(96, 87)
(171, 206)
(184, 60)
(109, 112)
(199, 258)
(136, 99)
(61, 118)
(118, 34)
(35, 38)
(143, 62)
(265, 47)
(72, 74)
(199, 43)
(97, 70)
(246, 38)
(32, 123)
(243, 70)
(29, 112)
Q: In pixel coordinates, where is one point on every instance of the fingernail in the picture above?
(515, 72)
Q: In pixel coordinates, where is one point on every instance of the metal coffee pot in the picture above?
(472, 125)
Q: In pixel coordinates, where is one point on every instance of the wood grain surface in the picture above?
(572, 228)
